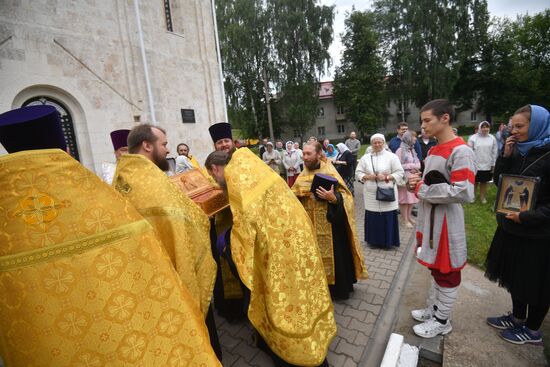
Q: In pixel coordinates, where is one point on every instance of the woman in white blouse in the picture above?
(380, 168)
(485, 147)
(291, 161)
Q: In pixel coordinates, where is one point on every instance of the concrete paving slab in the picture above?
(414, 297)
(473, 342)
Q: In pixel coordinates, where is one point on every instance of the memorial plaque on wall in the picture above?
(188, 116)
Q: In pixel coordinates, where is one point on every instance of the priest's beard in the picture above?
(222, 184)
(160, 161)
(312, 165)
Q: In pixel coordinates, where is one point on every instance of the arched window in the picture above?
(66, 121)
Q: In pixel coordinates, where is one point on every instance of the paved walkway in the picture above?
(357, 317)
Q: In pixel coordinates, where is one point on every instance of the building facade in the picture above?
(332, 123)
(85, 58)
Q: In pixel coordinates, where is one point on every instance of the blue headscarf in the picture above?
(539, 130)
(334, 153)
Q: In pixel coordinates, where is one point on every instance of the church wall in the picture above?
(86, 55)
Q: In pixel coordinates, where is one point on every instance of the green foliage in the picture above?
(514, 69)
(286, 38)
(427, 42)
(359, 81)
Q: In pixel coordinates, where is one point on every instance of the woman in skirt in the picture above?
(519, 257)
(411, 165)
(380, 168)
(344, 165)
(485, 148)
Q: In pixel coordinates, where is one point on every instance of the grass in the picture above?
(480, 227)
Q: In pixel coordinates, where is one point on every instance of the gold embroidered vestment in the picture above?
(84, 280)
(274, 248)
(317, 211)
(181, 225)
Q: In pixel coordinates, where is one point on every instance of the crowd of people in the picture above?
(132, 269)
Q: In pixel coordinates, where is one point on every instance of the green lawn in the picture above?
(480, 226)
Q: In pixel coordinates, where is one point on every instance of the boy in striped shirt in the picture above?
(447, 182)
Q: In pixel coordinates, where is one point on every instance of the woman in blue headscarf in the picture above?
(331, 153)
(519, 257)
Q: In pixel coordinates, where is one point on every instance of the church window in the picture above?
(168, 16)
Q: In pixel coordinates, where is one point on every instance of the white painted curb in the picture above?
(393, 349)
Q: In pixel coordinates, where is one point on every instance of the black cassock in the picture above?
(344, 269)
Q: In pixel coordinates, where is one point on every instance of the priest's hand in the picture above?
(327, 195)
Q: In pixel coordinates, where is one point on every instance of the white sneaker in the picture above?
(431, 328)
(422, 315)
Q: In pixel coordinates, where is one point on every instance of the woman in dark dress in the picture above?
(519, 257)
(344, 165)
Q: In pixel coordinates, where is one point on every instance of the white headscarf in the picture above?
(377, 136)
(342, 147)
(480, 125)
(291, 146)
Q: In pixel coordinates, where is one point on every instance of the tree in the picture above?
(359, 81)
(287, 38)
(515, 66)
(426, 42)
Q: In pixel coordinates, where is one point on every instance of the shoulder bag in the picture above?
(383, 193)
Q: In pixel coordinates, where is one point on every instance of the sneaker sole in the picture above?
(433, 336)
(534, 342)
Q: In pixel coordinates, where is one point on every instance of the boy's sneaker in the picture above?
(522, 335)
(422, 315)
(504, 322)
(432, 327)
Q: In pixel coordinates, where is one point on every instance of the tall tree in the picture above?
(515, 66)
(359, 81)
(287, 38)
(426, 42)
(245, 44)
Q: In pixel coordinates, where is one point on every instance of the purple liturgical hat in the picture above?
(220, 130)
(120, 138)
(33, 127)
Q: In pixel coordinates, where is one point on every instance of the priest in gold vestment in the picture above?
(333, 218)
(273, 248)
(182, 227)
(84, 280)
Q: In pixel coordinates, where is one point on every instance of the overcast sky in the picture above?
(500, 8)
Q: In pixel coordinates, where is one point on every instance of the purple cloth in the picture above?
(220, 243)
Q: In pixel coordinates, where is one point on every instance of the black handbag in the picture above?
(383, 193)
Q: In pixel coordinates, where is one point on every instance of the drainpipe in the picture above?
(145, 67)
(218, 52)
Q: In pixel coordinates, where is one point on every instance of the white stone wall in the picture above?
(86, 54)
